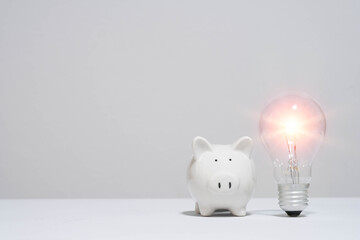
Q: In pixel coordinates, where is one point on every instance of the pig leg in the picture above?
(205, 210)
(240, 212)
(197, 211)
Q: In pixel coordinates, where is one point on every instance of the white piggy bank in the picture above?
(221, 176)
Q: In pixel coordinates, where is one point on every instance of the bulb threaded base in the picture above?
(293, 198)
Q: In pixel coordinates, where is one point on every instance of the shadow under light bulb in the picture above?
(292, 129)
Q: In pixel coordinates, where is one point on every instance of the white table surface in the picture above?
(325, 218)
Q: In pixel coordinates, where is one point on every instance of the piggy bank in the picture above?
(221, 177)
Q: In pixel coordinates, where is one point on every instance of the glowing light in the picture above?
(292, 126)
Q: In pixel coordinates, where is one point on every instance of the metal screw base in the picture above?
(293, 198)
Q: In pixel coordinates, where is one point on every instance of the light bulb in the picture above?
(292, 129)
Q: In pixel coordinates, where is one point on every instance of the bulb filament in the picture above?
(293, 163)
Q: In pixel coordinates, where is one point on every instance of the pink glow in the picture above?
(293, 117)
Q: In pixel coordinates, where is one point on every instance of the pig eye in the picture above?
(230, 159)
(215, 160)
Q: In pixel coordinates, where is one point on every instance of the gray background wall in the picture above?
(103, 98)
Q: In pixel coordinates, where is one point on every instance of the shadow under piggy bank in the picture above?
(217, 213)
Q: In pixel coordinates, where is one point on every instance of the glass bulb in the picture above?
(292, 129)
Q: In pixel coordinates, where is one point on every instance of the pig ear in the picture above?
(244, 145)
(200, 145)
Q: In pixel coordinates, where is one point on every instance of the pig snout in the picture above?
(223, 183)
